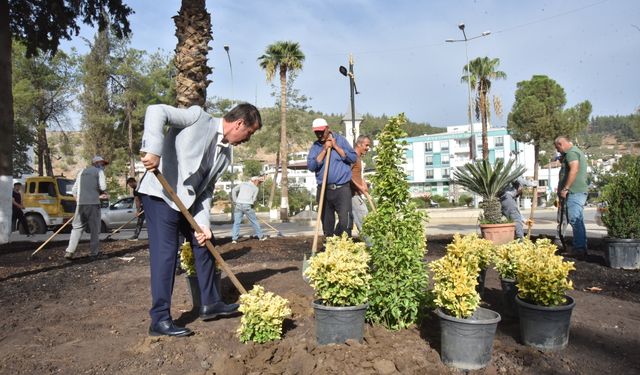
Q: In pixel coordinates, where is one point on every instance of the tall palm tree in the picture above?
(483, 71)
(193, 30)
(284, 56)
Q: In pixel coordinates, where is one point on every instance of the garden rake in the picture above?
(278, 233)
(323, 187)
(185, 212)
(51, 237)
(123, 225)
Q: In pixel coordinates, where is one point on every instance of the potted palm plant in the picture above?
(340, 277)
(489, 182)
(622, 217)
(544, 309)
(467, 330)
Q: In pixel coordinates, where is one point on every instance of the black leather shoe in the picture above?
(208, 312)
(168, 328)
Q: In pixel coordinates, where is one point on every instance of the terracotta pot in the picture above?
(498, 233)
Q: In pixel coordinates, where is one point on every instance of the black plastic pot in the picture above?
(623, 253)
(194, 288)
(337, 324)
(467, 343)
(545, 327)
(509, 292)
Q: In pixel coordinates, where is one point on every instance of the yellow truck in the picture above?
(48, 202)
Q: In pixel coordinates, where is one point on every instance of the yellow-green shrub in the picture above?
(340, 275)
(472, 247)
(455, 279)
(543, 277)
(507, 257)
(187, 261)
(263, 315)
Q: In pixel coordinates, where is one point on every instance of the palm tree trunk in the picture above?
(272, 194)
(193, 30)
(6, 123)
(132, 168)
(484, 115)
(48, 166)
(284, 181)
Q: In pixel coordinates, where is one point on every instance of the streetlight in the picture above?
(472, 154)
(353, 90)
(233, 102)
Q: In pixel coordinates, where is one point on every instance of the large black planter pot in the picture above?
(623, 253)
(194, 288)
(467, 343)
(337, 324)
(509, 292)
(545, 328)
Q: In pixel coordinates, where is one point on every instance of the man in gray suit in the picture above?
(192, 155)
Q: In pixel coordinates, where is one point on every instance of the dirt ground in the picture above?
(90, 317)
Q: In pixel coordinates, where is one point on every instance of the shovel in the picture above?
(185, 212)
(51, 237)
(314, 247)
(373, 206)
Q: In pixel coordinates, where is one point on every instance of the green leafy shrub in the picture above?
(507, 257)
(396, 234)
(340, 275)
(622, 197)
(262, 315)
(477, 249)
(465, 200)
(187, 261)
(542, 276)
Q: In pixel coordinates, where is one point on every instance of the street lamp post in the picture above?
(472, 141)
(233, 102)
(353, 91)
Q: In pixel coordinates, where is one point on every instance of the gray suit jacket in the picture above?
(191, 154)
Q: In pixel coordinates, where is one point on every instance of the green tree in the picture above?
(41, 28)
(481, 72)
(252, 168)
(283, 56)
(397, 237)
(538, 116)
(43, 91)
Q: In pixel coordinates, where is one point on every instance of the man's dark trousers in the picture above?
(337, 199)
(163, 225)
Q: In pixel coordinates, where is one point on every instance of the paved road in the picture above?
(442, 221)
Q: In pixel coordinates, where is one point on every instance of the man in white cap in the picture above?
(337, 196)
(243, 197)
(89, 188)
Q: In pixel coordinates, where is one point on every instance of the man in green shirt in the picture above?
(573, 189)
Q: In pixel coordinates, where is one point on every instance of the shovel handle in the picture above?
(185, 212)
(373, 206)
(125, 224)
(327, 159)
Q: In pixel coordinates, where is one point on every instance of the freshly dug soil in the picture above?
(91, 316)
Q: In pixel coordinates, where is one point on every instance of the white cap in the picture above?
(97, 159)
(319, 124)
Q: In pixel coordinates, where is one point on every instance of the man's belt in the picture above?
(336, 186)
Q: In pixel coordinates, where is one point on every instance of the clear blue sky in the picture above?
(402, 63)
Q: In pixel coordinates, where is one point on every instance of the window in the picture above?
(429, 173)
(445, 159)
(428, 160)
(499, 141)
(46, 187)
(445, 172)
(444, 145)
(463, 143)
(428, 146)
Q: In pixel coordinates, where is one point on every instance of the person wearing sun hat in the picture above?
(337, 198)
(89, 188)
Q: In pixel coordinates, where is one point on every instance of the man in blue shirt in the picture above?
(337, 196)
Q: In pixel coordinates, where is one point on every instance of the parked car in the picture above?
(117, 214)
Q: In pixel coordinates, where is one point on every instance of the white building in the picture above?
(431, 159)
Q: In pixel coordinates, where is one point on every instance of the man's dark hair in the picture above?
(17, 184)
(247, 112)
(131, 179)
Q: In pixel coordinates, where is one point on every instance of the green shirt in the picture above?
(580, 183)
